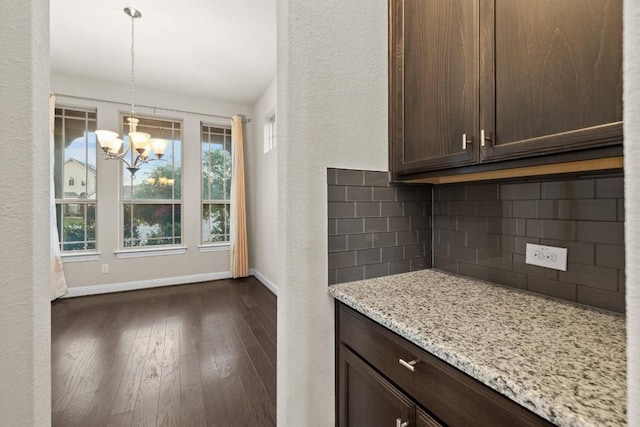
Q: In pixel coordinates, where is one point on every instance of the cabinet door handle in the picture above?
(399, 423)
(409, 365)
(465, 141)
(484, 136)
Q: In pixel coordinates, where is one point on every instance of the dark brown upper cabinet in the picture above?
(493, 82)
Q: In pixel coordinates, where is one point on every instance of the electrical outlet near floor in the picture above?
(547, 256)
(105, 268)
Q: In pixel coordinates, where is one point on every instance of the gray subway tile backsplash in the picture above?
(569, 189)
(359, 194)
(348, 177)
(588, 210)
(601, 232)
(379, 229)
(610, 188)
(583, 214)
(376, 179)
(481, 230)
(520, 191)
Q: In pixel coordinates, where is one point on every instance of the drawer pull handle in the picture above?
(465, 141)
(409, 365)
(399, 423)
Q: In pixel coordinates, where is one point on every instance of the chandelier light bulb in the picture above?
(106, 139)
(158, 146)
(115, 147)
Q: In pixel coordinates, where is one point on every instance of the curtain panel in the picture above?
(58, 286)
(238, 239)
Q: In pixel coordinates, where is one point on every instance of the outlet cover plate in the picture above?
(547, 256)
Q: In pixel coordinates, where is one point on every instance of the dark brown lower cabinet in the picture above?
(370, 400)
(385, 380)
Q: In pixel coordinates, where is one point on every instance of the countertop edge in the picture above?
(527, 398)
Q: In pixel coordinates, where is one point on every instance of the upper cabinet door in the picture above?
(551, 76)
(433, 83)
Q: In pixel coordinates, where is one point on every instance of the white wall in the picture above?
(632, 202)
(332, 111)
(25, 325)
(157, 270)
(262, 191)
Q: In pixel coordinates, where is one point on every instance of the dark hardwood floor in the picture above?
(191, 355)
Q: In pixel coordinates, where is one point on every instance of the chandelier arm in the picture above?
(116, 157)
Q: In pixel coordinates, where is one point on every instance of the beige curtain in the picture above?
(238, 238)
(58, 282)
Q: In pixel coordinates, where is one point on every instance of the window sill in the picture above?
(80, 257)
(215, 247)
(140, 253)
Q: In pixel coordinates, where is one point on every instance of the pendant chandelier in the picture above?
(140, 143)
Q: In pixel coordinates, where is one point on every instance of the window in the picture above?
(75, 156)
(270, 133)
(216, 183)
(152, 200)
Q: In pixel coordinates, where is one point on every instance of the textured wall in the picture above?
(332, 106)
(632, 197)
(481, 230)
(262, 192)
(25, 325)
(376, 229)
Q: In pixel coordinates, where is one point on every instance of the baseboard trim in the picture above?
(81, 291)
(265, 281)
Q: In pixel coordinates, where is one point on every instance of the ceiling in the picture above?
(223, 50)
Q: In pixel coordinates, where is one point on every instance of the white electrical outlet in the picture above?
(547, 256)
(105, 268)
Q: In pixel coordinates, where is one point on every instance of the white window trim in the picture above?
(151, 252)
(79, 257)
(126, 251)
(212, 246)
(215, 247)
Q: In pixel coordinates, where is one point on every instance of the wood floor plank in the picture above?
(171, 355)
(104, 397)
(127, 393)
(73, 415)
(169, 414)
(153, 360)
(192, 355)
(146, 409)
(64, 387)
(260, 365)
(236, 400)
(121, 420)
(192, 406)
(212, 387)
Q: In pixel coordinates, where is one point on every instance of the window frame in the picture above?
(160, 249)
(207, 246)
(84, 253)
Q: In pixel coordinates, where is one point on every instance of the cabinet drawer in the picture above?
(451, 395)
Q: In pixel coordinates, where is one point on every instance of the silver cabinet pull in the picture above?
(465, 141)
(409, 365)
(484, 137)
(399, 423)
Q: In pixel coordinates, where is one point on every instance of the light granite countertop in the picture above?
(564, 362)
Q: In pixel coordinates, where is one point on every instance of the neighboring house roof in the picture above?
(91, 168)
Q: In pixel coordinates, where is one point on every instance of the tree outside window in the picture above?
(152, 200)
(216, 183)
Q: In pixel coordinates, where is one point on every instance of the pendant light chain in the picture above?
(133, 81)
(140, 143)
